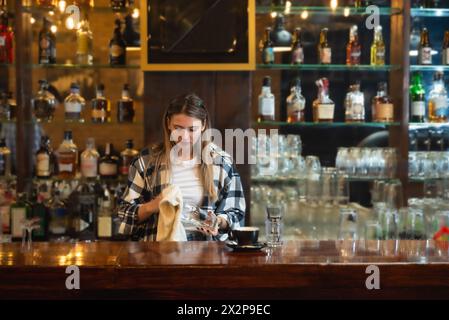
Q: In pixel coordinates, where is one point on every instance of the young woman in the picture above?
(212, 186)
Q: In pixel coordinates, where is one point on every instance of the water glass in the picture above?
(348, 224)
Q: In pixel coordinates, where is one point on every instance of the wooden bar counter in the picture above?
(211, 270)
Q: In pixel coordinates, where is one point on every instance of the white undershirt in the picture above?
(186, 175)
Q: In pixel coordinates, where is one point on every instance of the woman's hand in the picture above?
(149, 208)
(220, 223)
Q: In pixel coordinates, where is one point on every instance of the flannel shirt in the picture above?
(229, 205)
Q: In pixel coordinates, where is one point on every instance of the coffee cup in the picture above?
(245, 235)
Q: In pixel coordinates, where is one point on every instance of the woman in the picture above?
(212, 186)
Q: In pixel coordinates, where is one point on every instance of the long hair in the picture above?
(190, 105)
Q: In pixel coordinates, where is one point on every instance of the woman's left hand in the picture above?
(212, 230)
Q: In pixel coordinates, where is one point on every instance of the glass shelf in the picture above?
(328, 125)
(423, 180)
(95, 9)
(434, 13)
(327, 67)
(327, 11)
(429, 68)
(427, 125)
(86, 123)
(119, 179)
(287, 180)
(83, 66)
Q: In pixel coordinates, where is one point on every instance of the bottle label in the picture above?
(2, 41)
(89, 167)
(66, 162)
(266, 107)
(418, 108)
(357, 111)
(355, 55)
(326, 111)
(98, 113)
(108, 169)
(325, 55)
(384, 111)
(380, 55)
(104, 227)
(73, 107)
(43, 165)
(268, 55)
(440, 104)
(5, 219)
(298, 56)
(116, 51)
(426, 55)
(17, 216)
(295, 107)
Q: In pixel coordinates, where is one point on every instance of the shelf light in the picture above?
(136, 13)
(304, 15)
(70, 23)
(274, 14)
(334, 5)
(51, 13)
(288, 7)
(53, 28)
(62, 5)
(346, 12)
(32, 20)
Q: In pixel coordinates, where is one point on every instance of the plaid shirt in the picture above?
(229, 205)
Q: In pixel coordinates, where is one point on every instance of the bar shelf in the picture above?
(330, 67)
(327, 125)
(429, 68)
(83, 66)
(431, 13)
(326, 11)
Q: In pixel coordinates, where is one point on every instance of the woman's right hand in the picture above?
(149, 208)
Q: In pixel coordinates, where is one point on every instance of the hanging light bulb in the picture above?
(32, 20)
(53, 28)
(334, 5)
(62, 5)
(70, 23)
(136, 13)
(51, 13)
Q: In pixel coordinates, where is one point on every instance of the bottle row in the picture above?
(431, 106)
(44, 105)
(60, 212)
(63, 163)
(116, 5)
(353, 47)
(122, 38)
(323, 106)
(425, 50)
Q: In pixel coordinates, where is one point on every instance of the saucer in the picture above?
(248, 247)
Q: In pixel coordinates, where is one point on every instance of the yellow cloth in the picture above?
(169, 226)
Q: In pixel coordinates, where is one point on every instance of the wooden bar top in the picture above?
(211, 270)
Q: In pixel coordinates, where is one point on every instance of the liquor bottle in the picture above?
(323, 106)
(438, 106)
(119, 5)
(6, 199)
(6, 40)
(84, 40)
(324, 50)
(353, 49)
(104, 230)
(127, 156)
(89, 160)
(5, 159)
(425, 49)
(296, 103)
(45, 160)
(355, 104)
(297, 48)
(47, 44)
(418, 99)
(117, 46)
(382, 105)
(19, 211)
(267, 49)
(131, 36)
(445, 51)
(125, 106)
(46, 4)
(67, 157)
(82, 205)
(108, 164)
(101, 107)
(378, 48)
(44, 103)
(39, 210)
(266, 102)
(59, 218)
(74, 104)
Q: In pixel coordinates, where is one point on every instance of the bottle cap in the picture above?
(68, 135)
(267, 81)
(296, 82)
(75, 86)
(100, 87)
(129, 144)
(2, 142)
(126, 87)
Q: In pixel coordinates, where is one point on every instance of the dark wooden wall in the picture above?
(227, 96)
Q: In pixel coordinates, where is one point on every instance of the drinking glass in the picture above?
(348, 224)
(373, 235)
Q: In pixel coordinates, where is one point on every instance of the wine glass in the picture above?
(28, 225)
